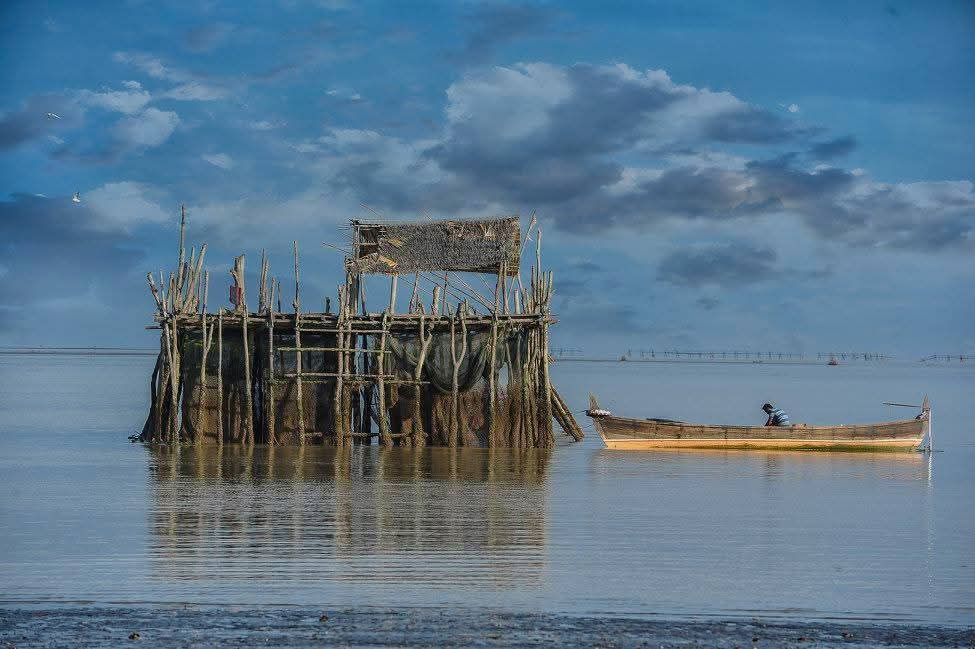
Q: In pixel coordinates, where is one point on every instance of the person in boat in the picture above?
(776, 416)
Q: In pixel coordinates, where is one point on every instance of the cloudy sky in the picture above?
(716, 176)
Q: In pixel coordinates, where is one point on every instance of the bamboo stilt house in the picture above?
(460, 366)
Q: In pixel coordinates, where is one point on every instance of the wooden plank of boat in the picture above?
(642, 434)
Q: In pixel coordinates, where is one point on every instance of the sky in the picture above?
(792, 177)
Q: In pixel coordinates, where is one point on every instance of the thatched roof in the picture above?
(477, 246)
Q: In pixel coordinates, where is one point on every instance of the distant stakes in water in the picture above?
(673, 354)
(947, 358)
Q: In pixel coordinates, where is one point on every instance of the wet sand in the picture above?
(192, 626)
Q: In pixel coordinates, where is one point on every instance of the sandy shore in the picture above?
(195, 626)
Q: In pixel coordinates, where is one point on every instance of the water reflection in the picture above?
(770, 464)
(466, 517)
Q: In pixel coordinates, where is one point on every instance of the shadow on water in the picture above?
(432, 516)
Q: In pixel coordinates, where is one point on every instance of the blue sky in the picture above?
(707, 175)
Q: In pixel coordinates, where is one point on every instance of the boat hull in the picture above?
(763, 444)
(638, 434)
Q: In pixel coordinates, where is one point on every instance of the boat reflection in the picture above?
(438, 516)
(909, 466)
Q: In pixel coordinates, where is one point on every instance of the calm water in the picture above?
(87, 517)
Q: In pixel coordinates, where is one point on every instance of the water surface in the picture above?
(87, 517)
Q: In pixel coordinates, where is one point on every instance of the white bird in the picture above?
(53, 116)
(76, 198)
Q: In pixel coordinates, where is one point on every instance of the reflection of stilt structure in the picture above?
(467, 370)
(424, 517)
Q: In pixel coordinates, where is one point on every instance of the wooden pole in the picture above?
(163, 381)
(458, 360)
(392, 293)
(415, 296)
(182, 244)
(298, 387)
(435, 305)
(492, 373)
(269, 384)
(220, 376)
(238, 273)
(171, 354)
(446, 310)
(384, 436)
(546, 392)
(338, 402)
(205, 344)
(425, 340)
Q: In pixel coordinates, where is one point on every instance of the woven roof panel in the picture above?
(476, 246)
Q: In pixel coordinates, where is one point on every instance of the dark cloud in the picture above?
(583, 144)
(749, 125)
(207, 37)
(493, 25)
(726, 265)
(781, 181)
(32, 121)
(584, 315)
(707, 303)
(51, 251)
(834, 148)
(586, 266)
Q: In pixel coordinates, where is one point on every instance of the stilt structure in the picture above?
(465, 370)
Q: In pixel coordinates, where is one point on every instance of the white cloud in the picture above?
(121, 206)
(152, 66)
(264, 125)
(128, 101)
(346, 94)
(196, 91)
(507, 102)
(221, 160)
(189, 86)
(149, 129)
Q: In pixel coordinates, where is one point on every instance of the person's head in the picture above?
(768, 407)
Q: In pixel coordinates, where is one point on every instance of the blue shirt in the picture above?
(779, 418)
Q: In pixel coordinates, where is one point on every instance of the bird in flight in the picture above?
(53, 116)
(76, 198)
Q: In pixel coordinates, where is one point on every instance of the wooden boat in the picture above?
(643, 434)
